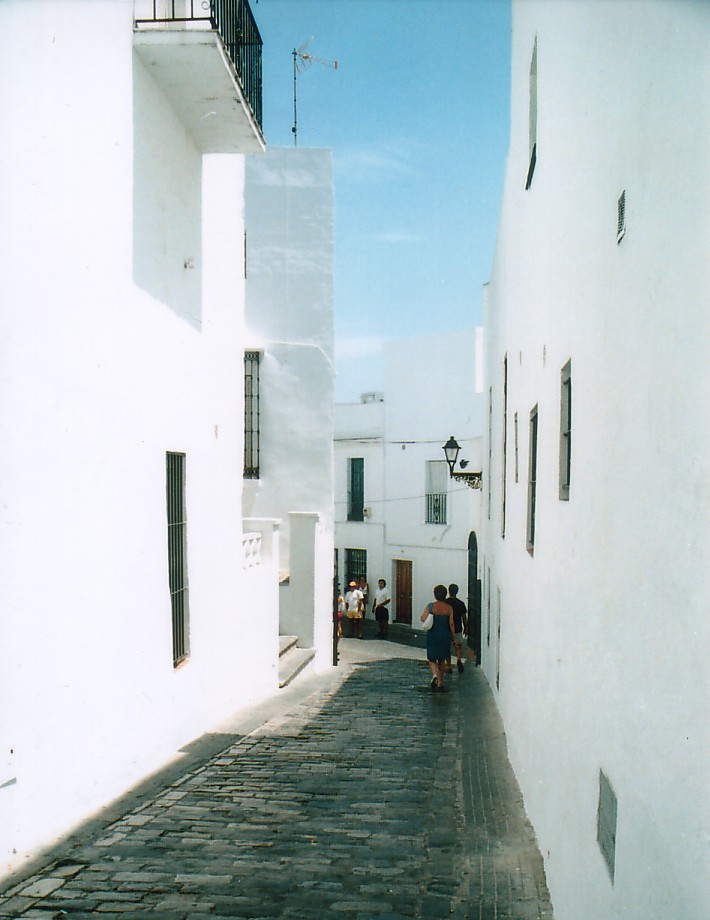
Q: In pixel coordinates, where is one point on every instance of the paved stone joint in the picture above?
(383, 800)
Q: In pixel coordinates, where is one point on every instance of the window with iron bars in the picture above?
(251, 415)
(621, 217)
(436, 491)
(355, 565)
(177, 554)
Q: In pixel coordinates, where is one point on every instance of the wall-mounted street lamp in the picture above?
(451, 451)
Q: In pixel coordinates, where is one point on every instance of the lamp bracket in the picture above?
(472, 480)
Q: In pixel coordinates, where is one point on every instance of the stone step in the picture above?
(292, 659)
(286, 643)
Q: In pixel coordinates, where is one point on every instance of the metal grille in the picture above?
(436, 482)
(355, 565)
(436, 508)
(621, 216)
(177, 553)
(251, 415)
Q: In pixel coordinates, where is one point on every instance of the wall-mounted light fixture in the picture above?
(451, 451)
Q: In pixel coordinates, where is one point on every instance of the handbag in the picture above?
(429, 621)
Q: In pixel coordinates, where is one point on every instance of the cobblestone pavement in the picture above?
(365, 796)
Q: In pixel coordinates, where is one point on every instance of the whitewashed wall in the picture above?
(359, 432)
(113, 352)
(602, 662)
(289, 211)
(435, 387)
(433, 390)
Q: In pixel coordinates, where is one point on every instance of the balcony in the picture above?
(206, 57)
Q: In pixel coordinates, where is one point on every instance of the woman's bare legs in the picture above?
(437, 672)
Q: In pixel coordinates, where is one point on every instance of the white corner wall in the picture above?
(289, 214)
(433, 392)
(109, 360)
(602, 659)
(396, 438)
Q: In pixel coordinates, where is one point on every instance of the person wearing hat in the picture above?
(354, 600)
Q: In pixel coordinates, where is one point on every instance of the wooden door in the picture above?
(403, 591)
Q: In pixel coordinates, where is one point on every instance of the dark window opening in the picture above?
(252, 435)
(356, 489)
(532, 481)
(565, 431)
(532, 118)
(177, 554)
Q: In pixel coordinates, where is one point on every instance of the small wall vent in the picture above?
(606, 823)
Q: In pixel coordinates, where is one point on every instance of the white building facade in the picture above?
(399, 516)
(136, 568)
(596, 524)
(289, 213)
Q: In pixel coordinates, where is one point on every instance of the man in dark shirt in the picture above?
(460, 625)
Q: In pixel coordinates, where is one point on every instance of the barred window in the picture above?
(251, 415)
(355, 565)
(177, 554)
(436, 491)
(621, 217)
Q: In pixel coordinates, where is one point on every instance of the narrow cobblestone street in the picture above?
(362, 794)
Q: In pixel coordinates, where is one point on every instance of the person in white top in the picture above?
(354, 601)
(380, 608)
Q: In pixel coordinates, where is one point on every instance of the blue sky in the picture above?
(417, 118)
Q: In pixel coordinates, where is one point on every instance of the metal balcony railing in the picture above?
(436, 508)
(235, 23)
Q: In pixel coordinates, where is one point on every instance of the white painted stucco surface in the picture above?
(112, 353)
(289, 208)
(604, 632)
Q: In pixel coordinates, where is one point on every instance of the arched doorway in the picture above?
(474, 598)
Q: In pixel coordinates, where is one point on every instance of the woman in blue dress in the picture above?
(439, 637)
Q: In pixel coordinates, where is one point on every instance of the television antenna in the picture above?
(302, 60)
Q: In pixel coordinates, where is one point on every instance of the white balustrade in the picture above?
(251, 543)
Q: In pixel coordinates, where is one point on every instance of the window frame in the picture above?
(252, 414)
(178, 582)
(504, 459)
(532, 480)
(532, 118)
(356, 502)
(436, 507)
(565, 431)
